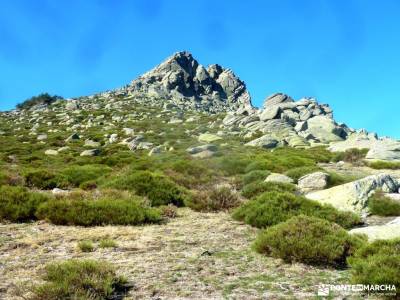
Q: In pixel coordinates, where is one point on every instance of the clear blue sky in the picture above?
(344, 52)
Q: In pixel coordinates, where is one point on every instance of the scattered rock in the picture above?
(91, 152)
(198, 149)
(51, 152)
(72, 105)
(92, 144)
(353, 196)
(313, 182)
(209, 138)
(266, 142)
(276, 177)
(113, 138)
(57, 191)
(387, 231)
(73, 137)
(42, 137)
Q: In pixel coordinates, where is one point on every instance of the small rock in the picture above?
(209, 138)
(51, 152)
(73, 137)
(91, 144)
(198, 149)
(42, 137)
(276, 177)
(91, 152)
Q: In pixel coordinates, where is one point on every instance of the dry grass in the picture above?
(193, 256)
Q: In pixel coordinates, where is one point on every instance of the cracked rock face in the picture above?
(183, 79)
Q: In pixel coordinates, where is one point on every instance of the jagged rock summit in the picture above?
(180, 85)
(189, 84)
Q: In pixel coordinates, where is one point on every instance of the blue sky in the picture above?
(344, 52)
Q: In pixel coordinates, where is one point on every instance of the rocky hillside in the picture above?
(182, 85)
(176, 187)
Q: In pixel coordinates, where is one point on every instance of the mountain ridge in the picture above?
(180, 83)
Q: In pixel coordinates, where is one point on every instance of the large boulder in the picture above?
(385, 151)
(313, 182)
(390, 230)
(266, 142)
(270, 112)
(353, 196)
(356, 140)
(277, 98)
(325, 129)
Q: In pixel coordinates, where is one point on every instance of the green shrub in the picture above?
(108, 243)
(379, 165)
(256, 175)
(88, 185)
(257, 188)
(233, 165)
(97, 212)
(272, 208)
(377, 263)
(381, 205)
(309, 240)
(214, 199)
(80, 279)
(297, 173)
(77, 175)
(44, 179)
(44, 98)
(169, 211)
(18, 204)
(157, 188)
(86, 246)
(335, 179)
(354, 156)
(10, 178)
(188, 173)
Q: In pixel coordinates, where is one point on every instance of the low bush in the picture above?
(379, 165)
(297, 173)
(157, 188)
(213, 199)
(169, 211)
(233, 165)
(86, 246)
(308, 240)
(97, 212)
(256, 175)
(18, 204)
(44, 179)
(354, 156)
(189, 173)
(381, 205)
(8, 178)
(108, 243)
(272, 208)
(258, 187)
(80, 279)
(335, 179)
(77, 175)
(377, 263)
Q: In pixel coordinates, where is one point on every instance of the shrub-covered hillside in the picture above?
(118, 189)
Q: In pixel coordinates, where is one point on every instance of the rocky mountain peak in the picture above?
(188, 83)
